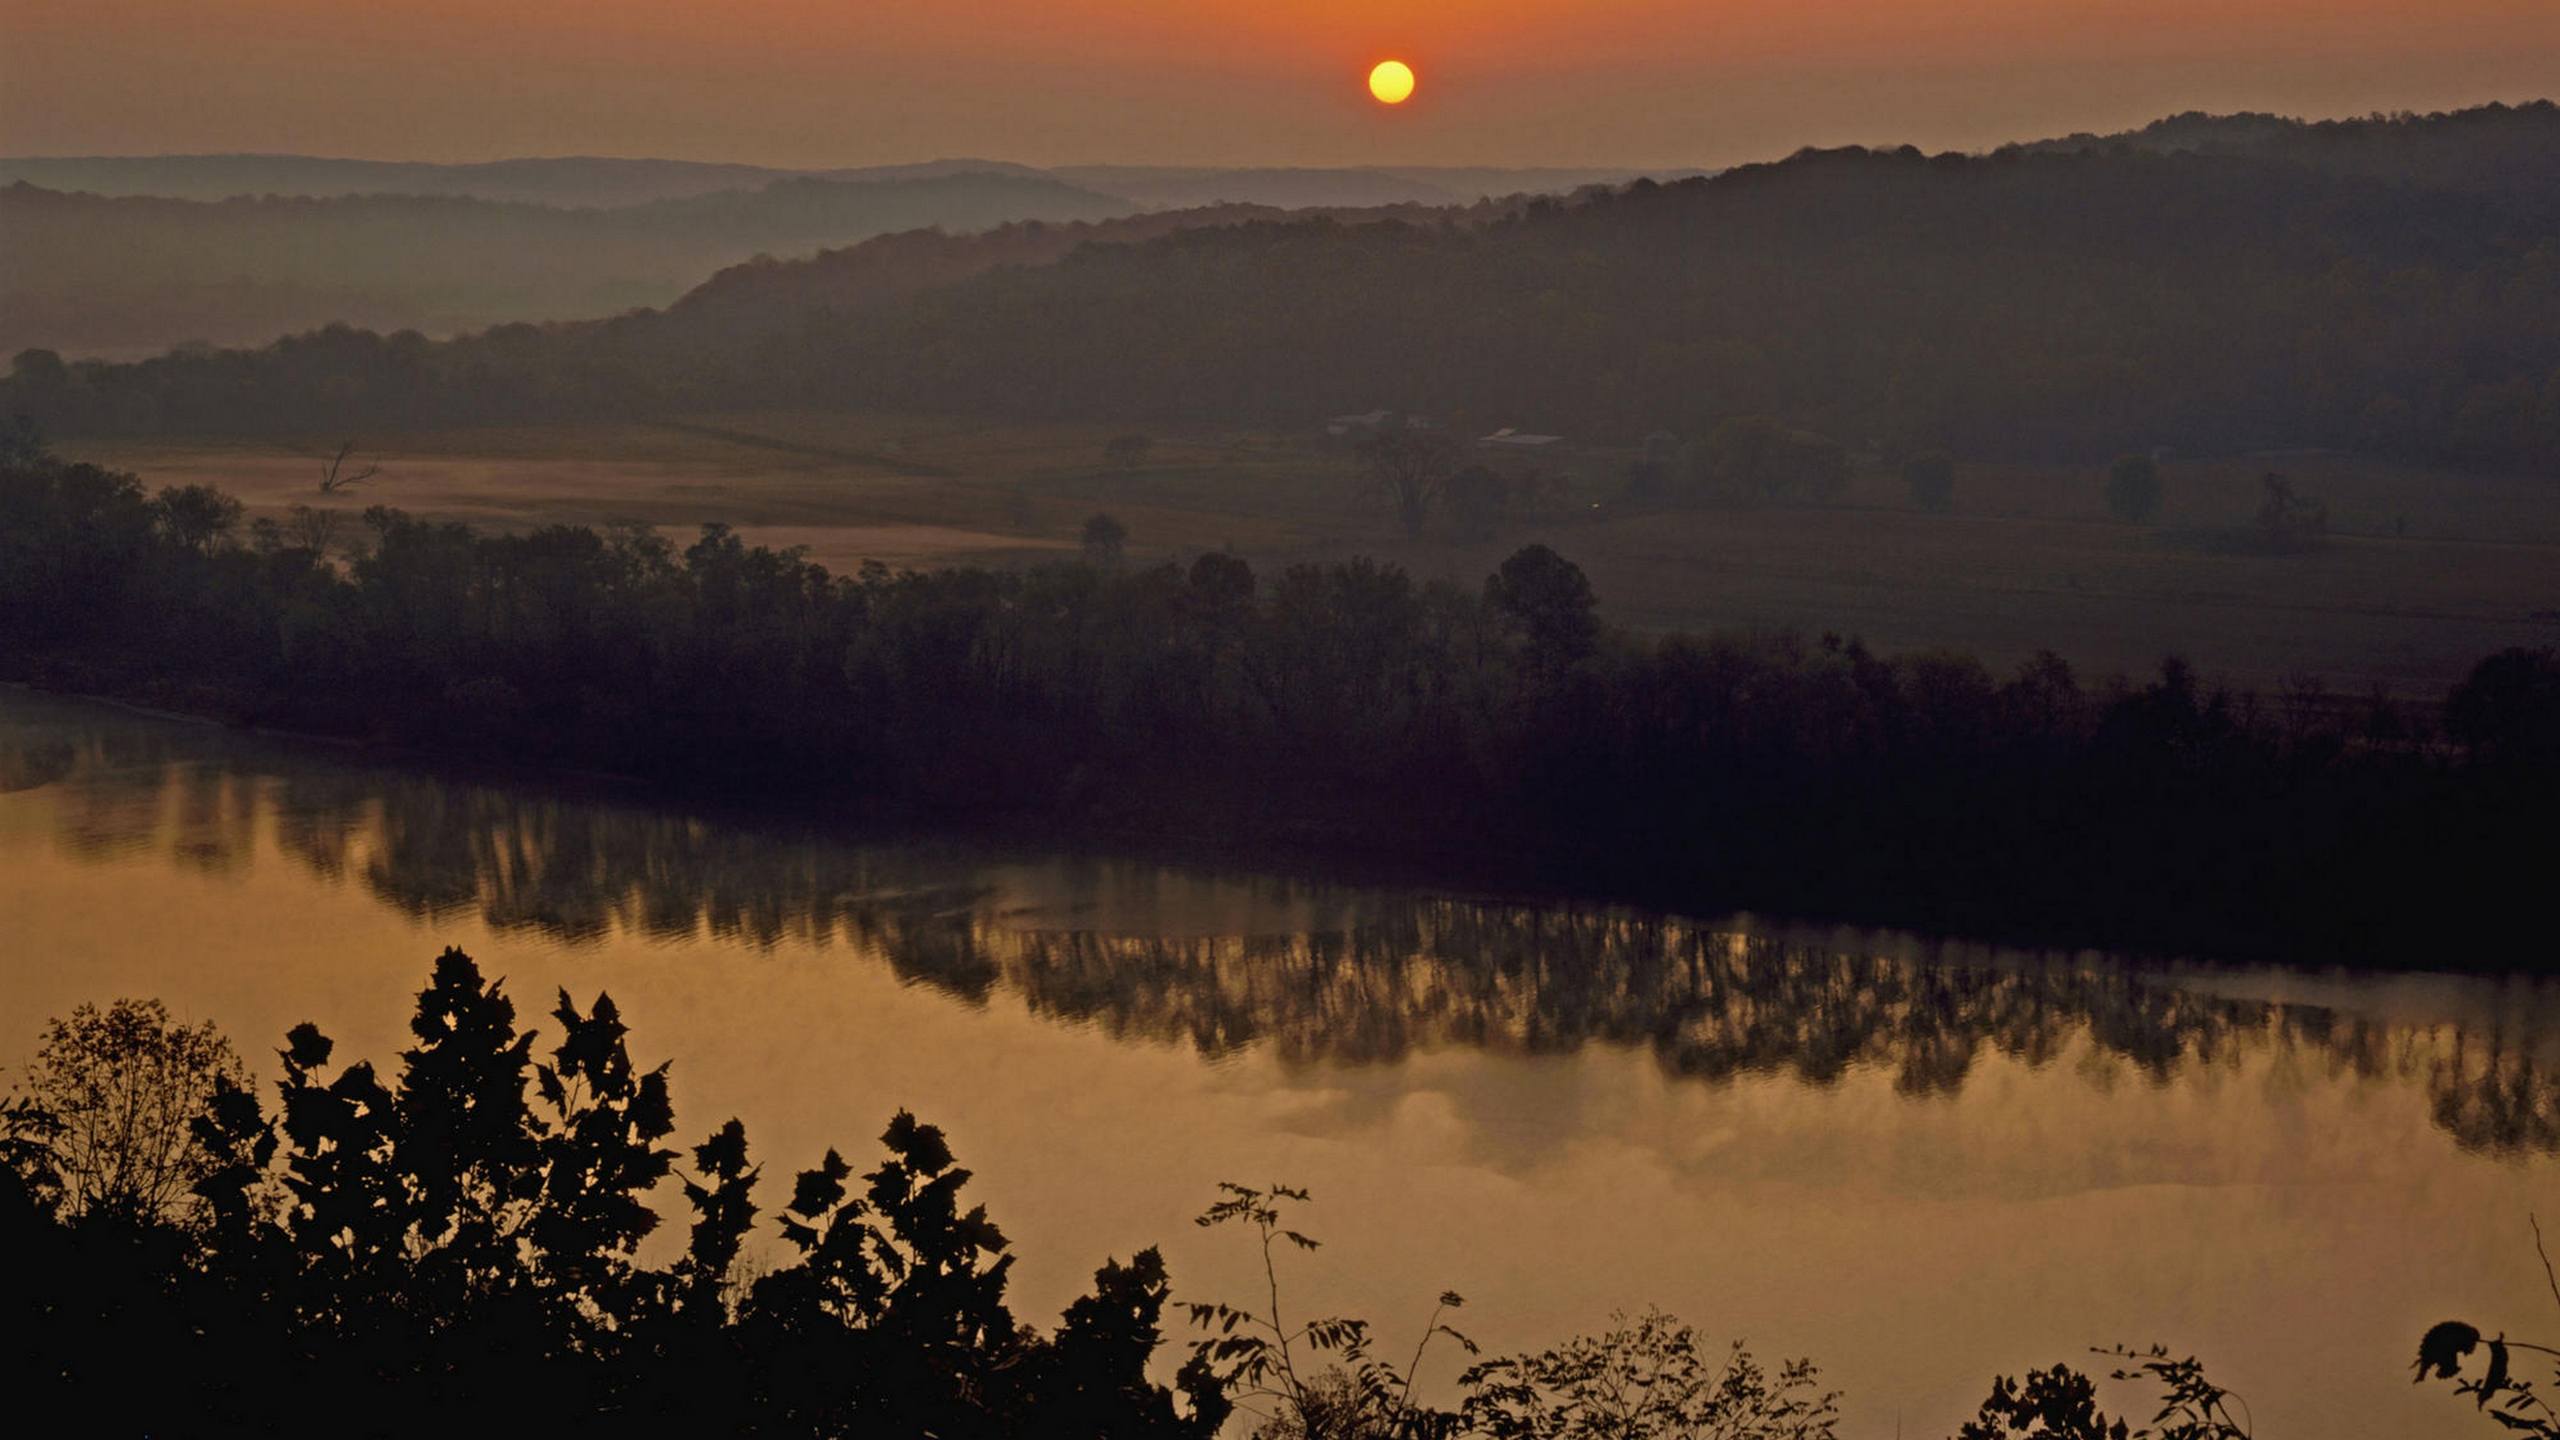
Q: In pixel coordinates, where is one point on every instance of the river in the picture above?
(1917, 1163)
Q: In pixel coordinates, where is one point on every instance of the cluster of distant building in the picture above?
(1344, 427)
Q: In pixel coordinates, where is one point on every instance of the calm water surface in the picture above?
(1917, 1164)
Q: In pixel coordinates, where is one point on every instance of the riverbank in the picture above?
(1269, 839)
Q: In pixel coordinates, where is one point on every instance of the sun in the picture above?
(1391, 82)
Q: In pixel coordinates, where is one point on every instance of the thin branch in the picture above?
(2547, 1277)
(1404, 1401)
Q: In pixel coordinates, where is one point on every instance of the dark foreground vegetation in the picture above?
(1501, 733)
(2390, 285)
(458, 1244)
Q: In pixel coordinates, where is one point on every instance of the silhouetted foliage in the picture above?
(2062, 1404)
(1310, 1379)
(2517, 1405)
(119, 1090)
(1646, 1378)
(456, 1245)
(2508, 708)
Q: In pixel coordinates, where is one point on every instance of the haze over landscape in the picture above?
(1529, 82)
(1706, 683)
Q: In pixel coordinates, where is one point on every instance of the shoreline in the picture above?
(1327, 860)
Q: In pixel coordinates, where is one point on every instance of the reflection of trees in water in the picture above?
(1402, 973)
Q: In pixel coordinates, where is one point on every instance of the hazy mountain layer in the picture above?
(95, 275)
(2075, 301)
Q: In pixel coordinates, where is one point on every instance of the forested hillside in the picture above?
(2062, 304)
(2490, 148)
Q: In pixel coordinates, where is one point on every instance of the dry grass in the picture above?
(2426, 571)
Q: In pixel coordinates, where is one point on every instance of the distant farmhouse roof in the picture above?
(1373, 420)
(1510, 439)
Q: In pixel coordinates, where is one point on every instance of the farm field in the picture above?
(2424, 572)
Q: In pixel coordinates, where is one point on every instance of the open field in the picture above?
(2425, 571)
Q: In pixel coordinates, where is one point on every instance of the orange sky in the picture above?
(824, 82)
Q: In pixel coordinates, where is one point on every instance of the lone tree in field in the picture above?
(1932, 481)
(2288, 521)
(123, 1085)
(1105, 539)
(1409, 467)
(337, 479)
(2133, 489)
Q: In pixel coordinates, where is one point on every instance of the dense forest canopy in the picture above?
(2068, 303)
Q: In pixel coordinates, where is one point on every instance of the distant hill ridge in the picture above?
(91, 273)
(576, 182)
(2374, 286)
(600, 182)
(2488, 147)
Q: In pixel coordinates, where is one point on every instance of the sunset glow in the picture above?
(798, 82)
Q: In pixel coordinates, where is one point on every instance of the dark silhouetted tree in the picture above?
(1406, 466)
(195, 517)
(1105, 541)
(121, 1088)
(1547, 602)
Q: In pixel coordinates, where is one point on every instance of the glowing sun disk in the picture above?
(1391, 82)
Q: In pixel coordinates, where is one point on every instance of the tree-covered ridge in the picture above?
(2077, 303)
(2485, 148)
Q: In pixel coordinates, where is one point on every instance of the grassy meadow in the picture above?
(2423, 573)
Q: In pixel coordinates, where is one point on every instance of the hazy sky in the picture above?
(828, 82)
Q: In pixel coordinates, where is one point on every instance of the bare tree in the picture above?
(121, 1087)
(334, 481)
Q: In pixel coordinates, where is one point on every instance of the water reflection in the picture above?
(1315, 972)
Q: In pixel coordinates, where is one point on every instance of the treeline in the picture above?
(1502, 732)
(2070, 303)
(457, 1243)
(2485, 148)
